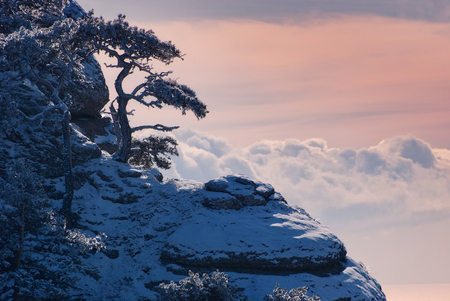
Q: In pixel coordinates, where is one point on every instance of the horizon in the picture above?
(352, 77)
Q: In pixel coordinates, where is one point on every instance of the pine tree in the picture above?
(134, 48)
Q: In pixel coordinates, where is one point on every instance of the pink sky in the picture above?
(352, 81)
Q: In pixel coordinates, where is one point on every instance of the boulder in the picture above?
(260, 234)
(99, 130)
(237, 191)
(257, 240)
(88, 90)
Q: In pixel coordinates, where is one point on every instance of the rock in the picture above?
(157, 175)
(265, 190)
(277, 197)
(172, 230)
(218, 185)
(99, 130)
(124, 198)
(88, 90)
(218, 200)
(276, 240)
(235, 192)
(83, 150)
(104, 177)
(129, 173)
(111, 254)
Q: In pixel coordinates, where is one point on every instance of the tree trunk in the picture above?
(116, 124)
(68, 174)
(123, 153)
(18, 259)
(21, 235)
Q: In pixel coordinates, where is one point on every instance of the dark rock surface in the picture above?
(99, 130)
(88, 89)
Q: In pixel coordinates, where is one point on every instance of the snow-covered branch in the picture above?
(41, 116)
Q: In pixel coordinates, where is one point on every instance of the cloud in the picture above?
(217, 146)
(403, 174)
(270, 11)
(409, 147)
(382, 201)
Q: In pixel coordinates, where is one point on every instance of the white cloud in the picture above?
(214, 145)
(364, 195)
(401, 172)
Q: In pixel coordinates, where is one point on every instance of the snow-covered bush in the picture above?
(43, 13)
(23, 213)
(212, 287)
(296, 294)
(37, 254)
(84, 242)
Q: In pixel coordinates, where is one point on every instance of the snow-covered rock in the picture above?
(88, 90)
(153, 229)
(166, 230)
(266, 235)
(235, 192)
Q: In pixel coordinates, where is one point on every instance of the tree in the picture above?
(24, 199)
(43, 51)
(134, 48)
(34, 241)
(153, 150)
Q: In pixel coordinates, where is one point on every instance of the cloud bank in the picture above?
(403, 174)
(384, 201)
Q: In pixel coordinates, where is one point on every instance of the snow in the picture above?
(354, 280)
(169, 217)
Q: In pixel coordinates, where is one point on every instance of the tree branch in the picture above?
(157, 127)
(61, 107)
(139, 87)
(153, 103)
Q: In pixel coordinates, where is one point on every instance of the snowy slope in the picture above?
(156, 231)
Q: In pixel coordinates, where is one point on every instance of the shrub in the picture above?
(193, 288)
(296, 294)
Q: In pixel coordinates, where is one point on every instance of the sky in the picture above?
(342, 106)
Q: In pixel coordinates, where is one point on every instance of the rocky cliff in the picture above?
(156, 231)
(147, 229)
